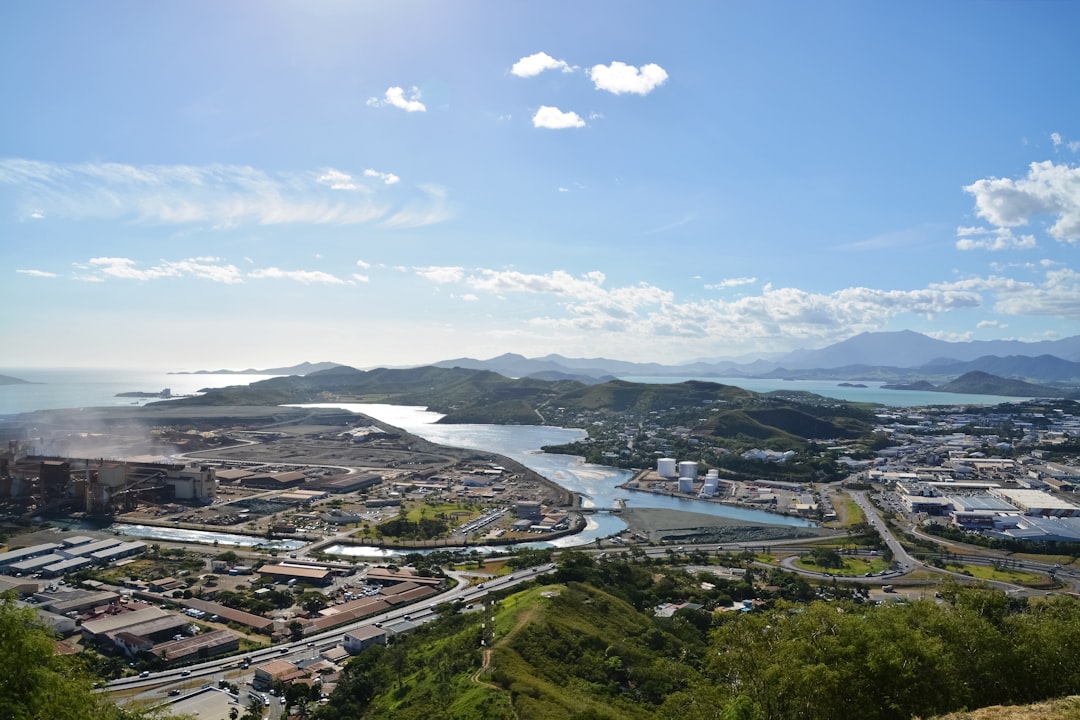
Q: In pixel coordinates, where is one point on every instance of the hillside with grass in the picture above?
(587, 643)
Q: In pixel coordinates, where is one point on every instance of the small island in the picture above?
(852, 385)
(166, 393)
(8, 380)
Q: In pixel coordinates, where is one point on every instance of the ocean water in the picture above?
(872, 393)
(57, 388)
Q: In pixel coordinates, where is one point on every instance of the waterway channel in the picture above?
(597, 484)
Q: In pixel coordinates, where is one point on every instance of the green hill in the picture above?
(590, 646)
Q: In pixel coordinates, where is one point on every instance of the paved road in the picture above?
(157, 685)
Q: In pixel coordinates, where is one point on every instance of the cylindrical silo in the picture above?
(686, 484)
(665, 467)
(688, 468)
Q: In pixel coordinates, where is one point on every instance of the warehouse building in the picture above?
(199, 647)
(1037, 502)
(364, 637)
(13, 556)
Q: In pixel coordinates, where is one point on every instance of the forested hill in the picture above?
(470, 395)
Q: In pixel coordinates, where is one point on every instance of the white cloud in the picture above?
(337, 180)
(1058, 141)
(555, 119)
(387, 178)
(37, 215)
(307, 277)
(1047, 190)
(37, 273)
(537, 63)
(363, 265)
(994, 324)
(1056, 295)
(395, 97)
(564, 189)
(469, 297)
(222, 196)
(441, 275)
(731, 282)
(361, 278)
(619, 78)
(128, 269)
(1001, 238)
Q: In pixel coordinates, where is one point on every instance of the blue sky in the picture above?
(189, 185)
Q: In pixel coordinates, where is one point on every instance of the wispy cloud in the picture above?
(387, 178)
(553, 118)
(395, 97)
(222, 196)
(620, 78)
(211, 269)
(731, 282)
(307, 277)
(1059, 142)
(537, 63)
(37, 273)
(432, 209)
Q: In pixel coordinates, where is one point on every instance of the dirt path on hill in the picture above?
(525, 618)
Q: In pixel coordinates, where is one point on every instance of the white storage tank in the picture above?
(688, 468)
(665, 467)
(686, 484)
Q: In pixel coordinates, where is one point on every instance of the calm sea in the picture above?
(56, 388)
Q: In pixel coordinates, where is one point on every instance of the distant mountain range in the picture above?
(304, 368)
(892, 357)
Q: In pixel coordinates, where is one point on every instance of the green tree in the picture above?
(38, 684)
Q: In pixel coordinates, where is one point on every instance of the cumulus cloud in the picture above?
(586, 303)
(395, 97)
(1002, 238)
(534, 64)
(994, 324)
(1057, 294)
(37, 273)
(363, 265)
(553, 118)
(222, 196)
(620, 78)
(387, 178)
(361, 278)
(1048, 190)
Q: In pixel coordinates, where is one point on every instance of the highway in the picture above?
(157, 685)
